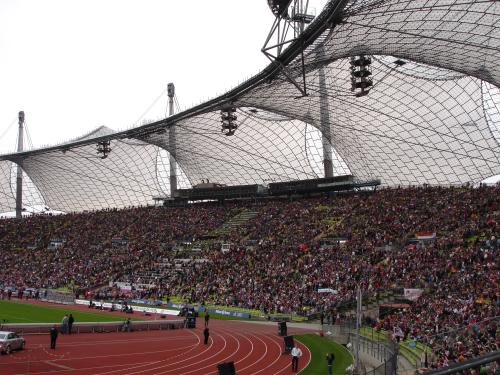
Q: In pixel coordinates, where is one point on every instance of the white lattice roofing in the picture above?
(432, 116)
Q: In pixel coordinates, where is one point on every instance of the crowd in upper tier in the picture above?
(97, 247)
(287, 251)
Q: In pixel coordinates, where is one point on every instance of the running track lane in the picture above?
(254, 348)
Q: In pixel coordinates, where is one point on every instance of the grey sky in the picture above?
(73, 65)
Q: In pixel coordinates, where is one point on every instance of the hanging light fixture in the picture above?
(104, 148)
(361, 80)
(228, 120)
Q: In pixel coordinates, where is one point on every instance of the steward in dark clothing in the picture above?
(206, 334)
(53, 337)
(207, 317)
(330, 357)
(71, 320)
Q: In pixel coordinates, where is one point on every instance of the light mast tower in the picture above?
(19, 179)
(171, 141)
(291, 17)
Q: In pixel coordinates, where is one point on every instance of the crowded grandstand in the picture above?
(283, 253)
(320, 183)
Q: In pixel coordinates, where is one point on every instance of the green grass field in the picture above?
(320, 347)
(18, 312)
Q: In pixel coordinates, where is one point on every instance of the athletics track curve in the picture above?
(254, 348)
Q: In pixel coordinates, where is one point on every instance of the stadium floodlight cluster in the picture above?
(430, 116)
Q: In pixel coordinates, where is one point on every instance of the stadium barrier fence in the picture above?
(95, 327)
(384, 352)
(119, 307)
(486, 364)
(55, 296)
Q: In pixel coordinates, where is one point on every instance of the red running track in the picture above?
(254, 349)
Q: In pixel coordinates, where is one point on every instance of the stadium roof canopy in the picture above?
(431, 117)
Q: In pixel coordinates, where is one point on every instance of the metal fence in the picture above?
(384, 352)
(92, 327)
(56, 296)
(487, 364)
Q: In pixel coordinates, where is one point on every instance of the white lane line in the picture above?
(122, 341)
(166, 362)
(104, 356)
(79, 369)
(249, 352)
(157, 362)
(203, 359)
(310, 358)
(245, 357)
(134, 365)
(219, 361)
(260, 358)
(277, 358)
(289, 366)
(58, 365)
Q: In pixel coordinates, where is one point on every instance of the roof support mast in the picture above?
(19, 179)
(171, 141)
(291, 16)
(324, 116)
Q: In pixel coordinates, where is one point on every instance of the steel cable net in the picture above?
(409, 129)
(266, 148)
(431, 117)
(78, 179)
(7, 195)
(31, 195)
(457, 35)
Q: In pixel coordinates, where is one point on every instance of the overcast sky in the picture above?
(74, 65)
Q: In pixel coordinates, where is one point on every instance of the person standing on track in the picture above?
(53, 336)
(71, 320)
(296, 354)
(206, 333)
(207, 318)
(330, 357)
(64, 326)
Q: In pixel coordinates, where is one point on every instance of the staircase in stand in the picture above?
(371, 305)
(236, 221)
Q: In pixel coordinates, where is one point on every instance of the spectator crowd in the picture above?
(289, 249)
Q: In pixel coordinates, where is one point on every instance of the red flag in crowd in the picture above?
(304, 247)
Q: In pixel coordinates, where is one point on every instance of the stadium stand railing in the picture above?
(55, 296)
(486, 364)
(220, 192)
(385, 352)
(95, 327)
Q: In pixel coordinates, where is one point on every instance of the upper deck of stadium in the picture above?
(431, 117)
